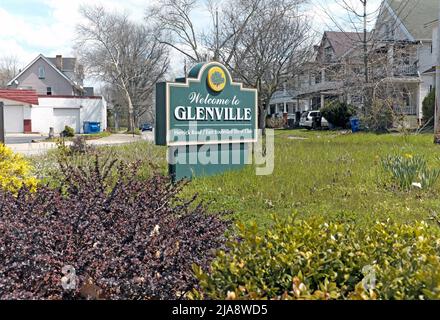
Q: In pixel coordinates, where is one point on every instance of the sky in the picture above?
(31, 27)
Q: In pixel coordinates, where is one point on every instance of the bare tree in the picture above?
(377, 56)
(176, 18)
(9, 68)
(271, 48)
(261, 41)
(122, 53)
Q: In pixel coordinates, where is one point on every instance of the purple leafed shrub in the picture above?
(129, 239)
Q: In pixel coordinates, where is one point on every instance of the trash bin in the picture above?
(92, 127)
(95, 127)
(355, 124)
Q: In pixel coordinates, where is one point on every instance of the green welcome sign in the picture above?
(206, 109)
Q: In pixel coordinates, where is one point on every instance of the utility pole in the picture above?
(2, 123)
(367, 91)
(364, 2)
(437, 86)
(216, 55)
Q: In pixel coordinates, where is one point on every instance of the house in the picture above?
(431, 72)
(322, 78)
(27, 112)
(401, 30)
(17, 109)
(51, 76)
(401, 62)
(59, 98)
(336, 63)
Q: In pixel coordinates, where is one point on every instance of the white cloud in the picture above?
(324, 13)
(26, 36)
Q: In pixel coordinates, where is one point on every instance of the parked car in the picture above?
(307, 120)
(146, 127)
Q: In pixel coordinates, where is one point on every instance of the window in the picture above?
(328, 53)
(389, 31)
(318, 78)
(406, 98)
(49, 91)
(41, 72)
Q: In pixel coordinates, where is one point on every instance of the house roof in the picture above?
(42, 96)
(342, 42)
(415, 14)
(68, 63)
(24, 96)
(40, 56)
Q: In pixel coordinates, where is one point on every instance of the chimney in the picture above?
(59, 62)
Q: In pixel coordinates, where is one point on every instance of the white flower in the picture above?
(155, 231)
(417, 185)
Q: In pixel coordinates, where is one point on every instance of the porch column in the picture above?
(322, 101)
(390, 71)
(419, 103)
(285, 107)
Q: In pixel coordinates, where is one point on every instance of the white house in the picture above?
(402, 37)
(49, 93)
(58, 112)
(27, 112)
(17, 109)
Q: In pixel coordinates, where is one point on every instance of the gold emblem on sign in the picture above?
(216, 79)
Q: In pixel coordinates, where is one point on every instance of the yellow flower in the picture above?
(15, 172)
(409, 156)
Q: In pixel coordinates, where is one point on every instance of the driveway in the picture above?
(23, 138)
(23, 144)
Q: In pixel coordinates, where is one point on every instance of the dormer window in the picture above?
(328, 53)
(41, 72)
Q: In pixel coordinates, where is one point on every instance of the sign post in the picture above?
(2, 123)
(207, 121)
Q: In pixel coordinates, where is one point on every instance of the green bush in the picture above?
(338, 113)
(315, 260)
(68, 132)
(429, 107)
(409, 171)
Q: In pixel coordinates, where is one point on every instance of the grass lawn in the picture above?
(328, 175)
(325, 174)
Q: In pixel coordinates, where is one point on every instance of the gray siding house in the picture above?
(53, 77)
(60, 98)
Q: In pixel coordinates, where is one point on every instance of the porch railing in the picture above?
(405, 110)
(405, 70)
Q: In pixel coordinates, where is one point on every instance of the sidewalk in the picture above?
(40, 148)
